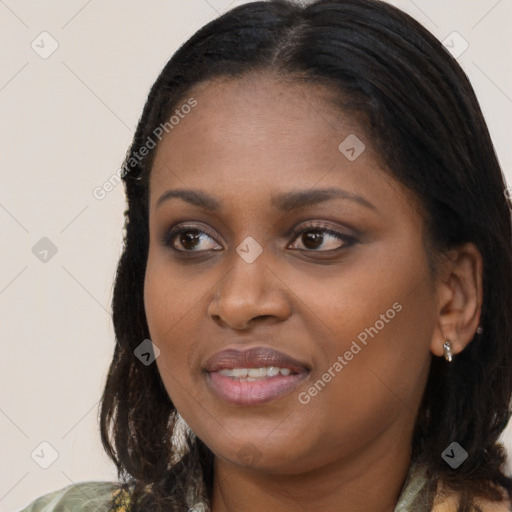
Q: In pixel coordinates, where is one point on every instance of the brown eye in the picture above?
(320, 239)
(312, 239)
(188, 239)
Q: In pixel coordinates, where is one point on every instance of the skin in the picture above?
(348, 448)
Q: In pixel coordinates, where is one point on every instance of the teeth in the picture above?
(257, 372)
(253, 374)
(272, 371)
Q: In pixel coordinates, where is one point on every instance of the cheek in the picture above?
(378, 315)
(381, 319)
(170, 300)
(381, 375)
(171, 309)
(364, 293)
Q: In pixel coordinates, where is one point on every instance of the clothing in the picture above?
(93, 496)
(88, 496)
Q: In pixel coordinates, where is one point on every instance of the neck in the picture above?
(371, 479)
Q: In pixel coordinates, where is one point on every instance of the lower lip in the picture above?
(255, 392)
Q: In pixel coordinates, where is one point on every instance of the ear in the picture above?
(459, 291)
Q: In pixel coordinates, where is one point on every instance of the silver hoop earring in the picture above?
(448, 355)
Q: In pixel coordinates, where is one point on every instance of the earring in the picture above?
(447, 346)
(479, 329)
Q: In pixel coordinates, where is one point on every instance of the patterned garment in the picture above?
(95, 496)
(122, 501)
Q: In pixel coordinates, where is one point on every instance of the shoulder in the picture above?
(91, 496)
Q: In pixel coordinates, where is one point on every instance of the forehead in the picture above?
(248, 136)
(276, 117)
(263, 103)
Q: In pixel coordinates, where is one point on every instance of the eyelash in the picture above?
(170, 235)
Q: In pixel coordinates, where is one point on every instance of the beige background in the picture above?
(66, 122)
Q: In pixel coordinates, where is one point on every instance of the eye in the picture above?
(190, 239)
(320, 238)
(314, 238)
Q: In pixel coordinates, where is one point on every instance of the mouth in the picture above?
(253, 377)
(255, 374)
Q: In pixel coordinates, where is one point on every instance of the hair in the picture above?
(421, 115)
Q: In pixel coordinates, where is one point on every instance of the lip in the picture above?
(243, 393)
(256, 357)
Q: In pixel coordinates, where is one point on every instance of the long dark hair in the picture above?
(421, 113)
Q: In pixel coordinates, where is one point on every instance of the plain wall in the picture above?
(66, 122)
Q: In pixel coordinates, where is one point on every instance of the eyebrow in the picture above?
(285, 202)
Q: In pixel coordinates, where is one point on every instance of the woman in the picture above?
(315, 284)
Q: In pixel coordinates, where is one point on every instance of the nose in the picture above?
(249, 293)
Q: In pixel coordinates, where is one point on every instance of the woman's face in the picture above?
(295, 313)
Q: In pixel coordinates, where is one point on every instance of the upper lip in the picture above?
(257, 357)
